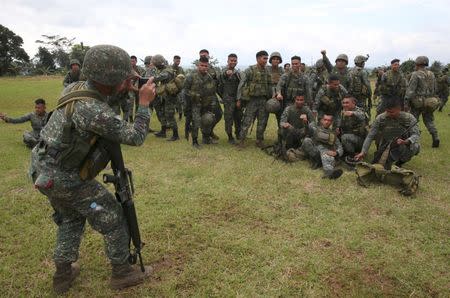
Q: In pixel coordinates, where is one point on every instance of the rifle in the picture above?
(124, 190)
(381, 155)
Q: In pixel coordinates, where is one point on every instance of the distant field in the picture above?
(223, 222)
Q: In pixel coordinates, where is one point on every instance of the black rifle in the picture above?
(382, 154)
(124, 190)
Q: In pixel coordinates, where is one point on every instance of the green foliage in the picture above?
(436, 67)
(44, 60)
(78, 51)
(12, 55)
(59, 47)
(223, 222)
(407, 66)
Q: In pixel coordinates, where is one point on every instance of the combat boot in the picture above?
(231, 140)
(333, 174)
(125, 275)
(436, 141)
(195, 143)
(162, 132)
(175, 136)
(64, 276)
(241, 144)
(259, 143)
(214, 136)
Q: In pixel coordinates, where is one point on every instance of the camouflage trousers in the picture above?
(318, 153)
(255, 109)
(218, 112)
(30, 139)
(351, 143)
(444, 99)
(170, 104)
(158, 105)
(179, 106)
(233, 116)
(428, 120)
(401, 153)
(292, 137)
(127, 106)
(197, 112)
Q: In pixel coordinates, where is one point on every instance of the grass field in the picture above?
(224, 222)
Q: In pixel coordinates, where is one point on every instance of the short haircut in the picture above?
(232, 55)
(203, 59)
(296, 58)
(176, 57)
(327, 115)
(395, 60)
(39, 101)
(333, 77)
(349, 96)
(393, 102)
(261, 53)
(204, 51)
(299, 93)
(133, 57)
(303, 64)
(286, 64)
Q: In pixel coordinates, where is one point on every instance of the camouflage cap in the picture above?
(275, 54)
(148, 59)
(319, 63)
(107, 64)
(422, 60)
(360, 59)
(158, 60)
(342, 57)
(74, 61)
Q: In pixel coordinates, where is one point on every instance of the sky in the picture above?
(383, 29)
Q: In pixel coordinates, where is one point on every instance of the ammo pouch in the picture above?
(406, 180)
(430, 104)
(417, 102)
(325, 137)
(161, 89)
(95, 161)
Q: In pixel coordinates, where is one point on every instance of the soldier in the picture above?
(340, 69)
(37, 119)
(133, 94)
(55, 168)
(276, 71)
(178, 70)
(391, 127)
(352, 126)
(74, 74)
(442, 88)
(317, 77)
(376, 92)
(360, 85)
(287, 67)
(229, 80)
(324, 147)
(421, 88)
(329, 98)
(290, 84)
(255, 88)
(392, 85)
(295, 120)
(200, 92)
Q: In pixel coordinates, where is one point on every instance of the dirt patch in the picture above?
(173, 263)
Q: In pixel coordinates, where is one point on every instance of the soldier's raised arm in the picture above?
(326, 61)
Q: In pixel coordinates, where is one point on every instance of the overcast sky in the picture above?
(383, 29)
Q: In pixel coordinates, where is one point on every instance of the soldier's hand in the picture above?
(304, 118)
(348, 113)
(2, 116)
(279, 97)
(229, 72)
(323, 52)
(359, 156)
(238, 104)
(331, 153)
(402, 142)
(286, 125)
(147, 93)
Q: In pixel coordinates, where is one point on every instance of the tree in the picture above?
(10, 51)
(436, 67)
(44, 60)
(59, 47)
(78, 52)
(408, 66)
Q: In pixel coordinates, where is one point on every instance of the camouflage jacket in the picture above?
(256, 82)
(37, 122)
(326, 138)
(359, 83)
(316, 80)
(343, 74)
(328, 102)
(228, 85)
(442, 85)
(291, 115)
(421, 84)
(389, 128)
(71, 78)
(200, 88)
(393, 84)
(291, 83)
(354, 124)
(177, 70)
(275, 74)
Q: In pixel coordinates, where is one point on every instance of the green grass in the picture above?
(224, 222)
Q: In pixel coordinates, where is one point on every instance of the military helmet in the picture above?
(422, 60)
(75, 61)
(342, 57)
(360, 59)
(273, 105)
(148, 59)
(208, 119)
(158, 60)
(106, 64)
(319, 63)
(275, 54)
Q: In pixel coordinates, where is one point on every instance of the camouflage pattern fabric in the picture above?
(71, 78)
(360, 86)
(294, 135)
(442, 89)
(392, 85)
(316, 79)
(353, 131)
(343, 74)
(255, 109)
(30, 138)
(289, 85)
(328, 102)
(227, 89)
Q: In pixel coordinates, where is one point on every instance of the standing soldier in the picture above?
(420, 96)
(376, 92)
(287, 67)
(360, 85)
(255, 87)
(229, 80)
(200, 93)
(290, 84)
(324, 147)
(37, 119)
(442, 88)
(133, 94)
(74, 74)
(178, 70)
(276, 71)
(392, 85)
(340, 69)
(317, 77)
(57, 163)
(329, 98)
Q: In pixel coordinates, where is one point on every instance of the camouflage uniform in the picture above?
(322, 140)
(30, 138)
(73, 199)
(442, 89)
(328, 102)
(353, 131)
(200, 93)
(360, 88)
(294, 135)
(291, 84)
(390, 128)
(317, 77)
(256, 84)
(179, 106)
(343, 74)
(275, 75)
(71, 78)
(227, 89)
(218, 112)
(422, 85)
(392, 86)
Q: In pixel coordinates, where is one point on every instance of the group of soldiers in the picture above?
(322, 115)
